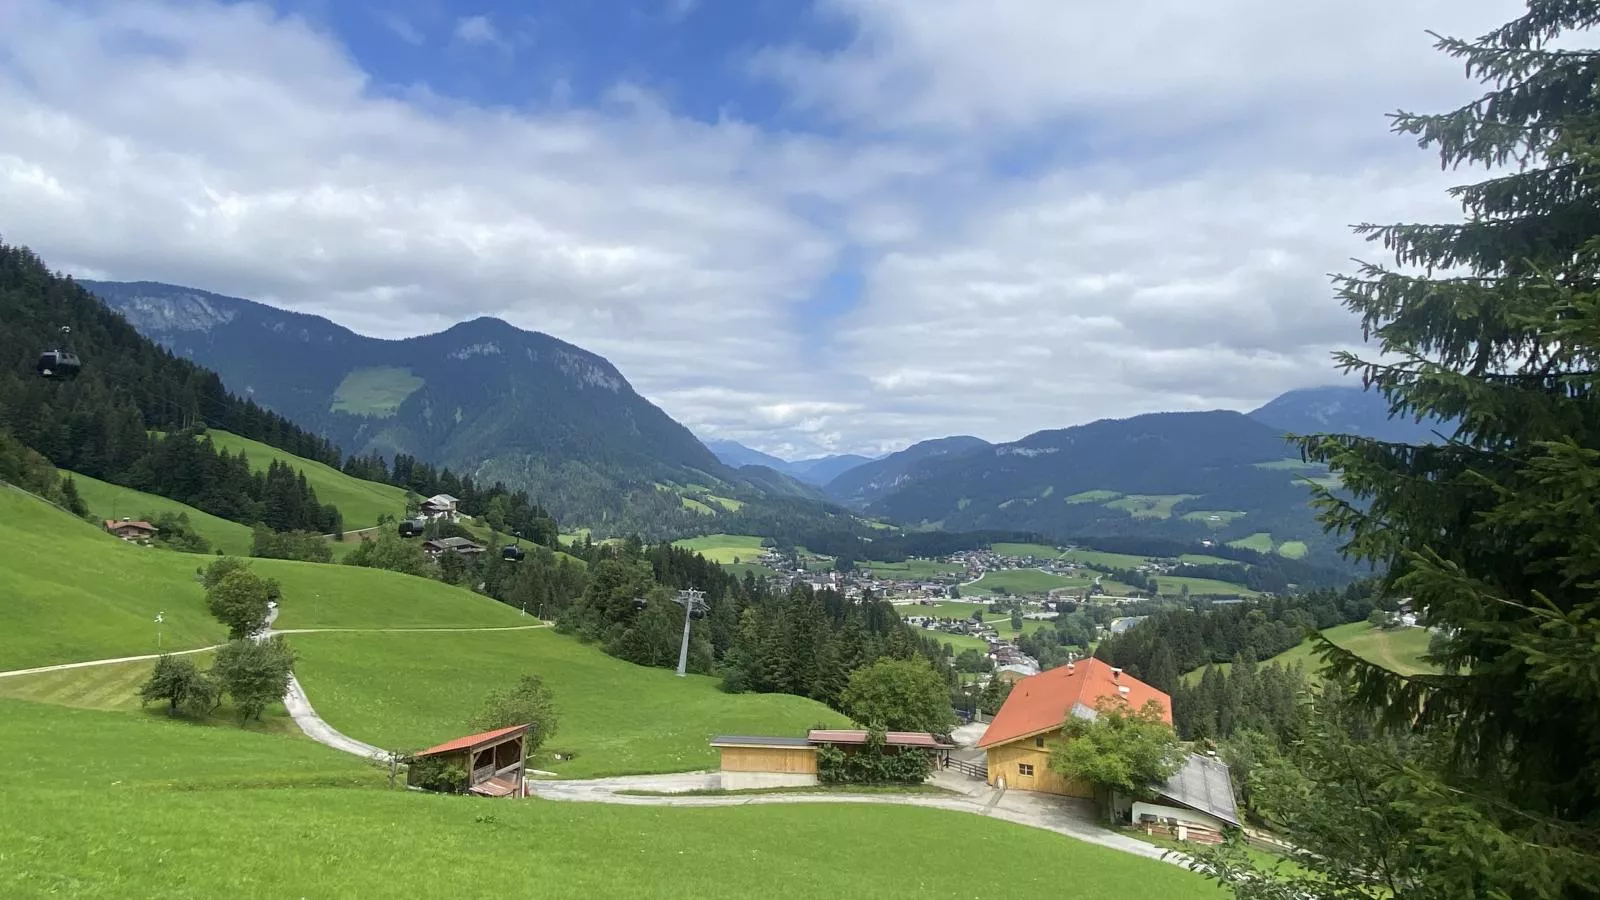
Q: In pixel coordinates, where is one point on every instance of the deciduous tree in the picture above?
(1121, 750)
(528, 702)
(254, 673)
(240, 601)
(899, 695)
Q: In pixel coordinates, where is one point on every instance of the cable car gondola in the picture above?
(512, 553)
(60, 364)
(411, 527)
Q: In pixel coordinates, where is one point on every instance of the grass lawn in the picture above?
(757, 569)
(1204, 559)
(1292, 549)
(1092, 496)
(113, 501)
(1214, 518)
(1023, 581)
(1039, 551)
(156, 808)
(360, 502)
(70, 592)
(1173, 584)
(1399, 649)
(1261, 542)
(944, 609)
(1150, 506)
(913, 569)
(323, 596)
(406, 691)
(1102, 558)
(957, 642)
(377, 391)
(723, 548)
(1002, 626)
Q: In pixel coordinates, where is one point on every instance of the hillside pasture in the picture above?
(113, 501)
(1398, 649)
(1293, 549)
(1173, 585)
(1102, 558)
(912, 569)
(138, 813)
(724, 548)
(956, 642)
(694, 505)
(1213, 518)
(1261, 542)
(1205, 559)
(1022, 581)
(1037, 551)
(944, 609)
(360, 502)
(1149, 506)
(1091, 497)
(375, 392)
(405, 690)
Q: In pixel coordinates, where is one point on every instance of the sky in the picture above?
(811, 226)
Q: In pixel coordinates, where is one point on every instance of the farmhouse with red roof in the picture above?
(1019, 739)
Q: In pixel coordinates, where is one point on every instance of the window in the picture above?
(1038, 742)
(1024, 769)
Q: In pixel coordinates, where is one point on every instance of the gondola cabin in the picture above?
(512, 553)
(411, 527)
(58, 365)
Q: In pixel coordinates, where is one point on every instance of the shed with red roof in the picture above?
(1019, 740)
(489, 764)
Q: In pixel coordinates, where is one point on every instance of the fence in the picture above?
(975, 769)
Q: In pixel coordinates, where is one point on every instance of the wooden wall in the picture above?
(1004, 759)
(784, 760)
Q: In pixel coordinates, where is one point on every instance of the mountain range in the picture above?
(542, 414)
(482, 397)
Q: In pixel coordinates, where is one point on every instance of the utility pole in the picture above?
(693, 602)
(160, 617)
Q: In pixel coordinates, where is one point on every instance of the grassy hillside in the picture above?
(360, 502)
(138, 813)
(72, 592)
(1038, 551)
(1174, 584)
(1399, 649)
(112, 501)
(412, 690)
(724, 548)
(1022, 581)
(913, 568)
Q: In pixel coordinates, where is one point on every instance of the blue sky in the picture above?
(808, 225)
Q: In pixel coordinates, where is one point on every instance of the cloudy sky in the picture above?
(807, 225)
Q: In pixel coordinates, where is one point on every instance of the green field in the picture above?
(360, 502)
(756, 569)
(1102, 558)
(1261, 542)
(1092, 496)
(728, 503)
(724, 548)
(1293, 549)
(1038, 551)
(1212, 518)
(1172, 585)
(1399, 649)
(944, 609)
(694, 505)
(1149, 506)
(913, 569)
(1022, 581)
(405, 691)
(156, 808)
(957, 642)
(112, 501)
(1002, 626)
(1203, 559)
(376, 392)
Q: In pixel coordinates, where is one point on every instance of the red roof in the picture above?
(112, 524)
(471, 741)
(1043, 701)
(892, 738)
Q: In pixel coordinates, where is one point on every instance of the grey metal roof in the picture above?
(1203, 784)
(759, 740)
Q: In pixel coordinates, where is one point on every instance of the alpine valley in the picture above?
(540, 414)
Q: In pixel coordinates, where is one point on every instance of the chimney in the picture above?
(1116, 674)
(1122, 689)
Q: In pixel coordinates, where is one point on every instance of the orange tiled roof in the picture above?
(1043, 701)
(470, 741)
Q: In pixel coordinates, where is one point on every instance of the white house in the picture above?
(1194, 804)
(440, 506)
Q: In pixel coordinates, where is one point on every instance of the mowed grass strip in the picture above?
(113, 501)
(724, 548)
(360, 502)
(411, 690)
(116, 686)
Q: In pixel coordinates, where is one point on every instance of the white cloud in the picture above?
(1167, 249)
(477, 30)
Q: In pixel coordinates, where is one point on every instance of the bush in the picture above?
(305, 546)
(436, 773)
(175, 533)
(872, 763)
(254, 673)
(177, 680)
(528, 702)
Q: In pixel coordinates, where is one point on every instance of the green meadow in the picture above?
(360, 502)
(113, 501)
(724, 548)
(1023, 581)
(377, 391)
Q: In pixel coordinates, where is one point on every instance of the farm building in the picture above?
(758, 761)
(1019, 740)
(492, 761)
(1196, 804)
(130, 530)
(454, 544)
(440, 506)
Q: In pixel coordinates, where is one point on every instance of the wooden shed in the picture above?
(756, 761)
(492, 760)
